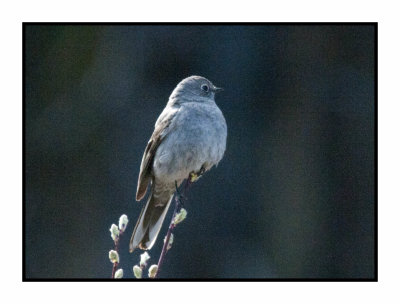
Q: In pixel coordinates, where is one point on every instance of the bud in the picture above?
(123, 221)
(114, 232)
(153, 271)
(137, 271)
(171, 240)
(143, 259)
(179, 217)
(119, 274)
(114, 257)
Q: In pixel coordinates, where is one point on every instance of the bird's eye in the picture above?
(205, 88)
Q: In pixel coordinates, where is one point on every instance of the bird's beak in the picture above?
(216, 89)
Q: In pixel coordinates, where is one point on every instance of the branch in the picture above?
(167, 238)
(115, 264)
(178, 216)
(116, 234)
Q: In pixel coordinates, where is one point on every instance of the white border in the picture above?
(14, 13)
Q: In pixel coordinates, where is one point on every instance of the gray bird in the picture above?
(189, 138)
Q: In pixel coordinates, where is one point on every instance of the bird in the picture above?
(189, 138)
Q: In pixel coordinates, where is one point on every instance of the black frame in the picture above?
(374, 279)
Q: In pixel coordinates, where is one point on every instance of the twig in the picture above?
(115, 265)
(178, 206)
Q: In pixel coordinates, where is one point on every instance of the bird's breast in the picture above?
(197, 138)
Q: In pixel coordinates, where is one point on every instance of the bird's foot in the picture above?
(194, 176)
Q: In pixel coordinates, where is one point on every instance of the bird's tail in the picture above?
(150, 220)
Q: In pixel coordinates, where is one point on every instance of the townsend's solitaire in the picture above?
(189, 138)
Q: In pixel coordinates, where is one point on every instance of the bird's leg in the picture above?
(187, 184)
(179, 197)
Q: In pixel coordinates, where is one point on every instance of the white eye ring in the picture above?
(205, 87)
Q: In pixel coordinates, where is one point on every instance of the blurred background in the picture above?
(293, 196)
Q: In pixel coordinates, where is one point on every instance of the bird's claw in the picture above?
(194, 176)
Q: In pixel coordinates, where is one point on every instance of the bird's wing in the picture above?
(161, 130)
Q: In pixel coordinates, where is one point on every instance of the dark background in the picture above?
(293, 196)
